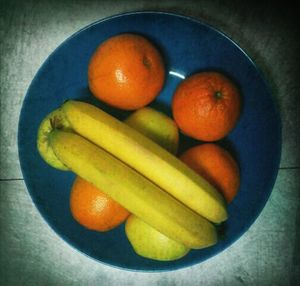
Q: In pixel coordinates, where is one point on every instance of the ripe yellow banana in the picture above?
(147, 157)
(132, 190)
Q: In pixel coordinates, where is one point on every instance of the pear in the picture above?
(156, 126)
(150, 243)
(54, 120)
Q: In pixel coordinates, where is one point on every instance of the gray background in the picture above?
(32, 254)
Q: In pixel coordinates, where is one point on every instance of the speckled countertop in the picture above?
(32, 254)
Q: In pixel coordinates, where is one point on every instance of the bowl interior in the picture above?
(188, 46)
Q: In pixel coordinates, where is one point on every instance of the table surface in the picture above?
(32, 254)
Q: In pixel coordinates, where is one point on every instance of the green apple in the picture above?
(145, 240)
(150, 243)
(157, 126)
(54, 120)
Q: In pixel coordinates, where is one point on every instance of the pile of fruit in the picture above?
(130, 171)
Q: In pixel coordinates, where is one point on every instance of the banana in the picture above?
(146, 157)
(132, 190)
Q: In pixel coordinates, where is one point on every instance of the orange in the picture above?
(94, 209)
(216, 165)
(126, 71)
(206, 106)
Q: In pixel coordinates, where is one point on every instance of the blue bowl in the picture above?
(188, 46)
